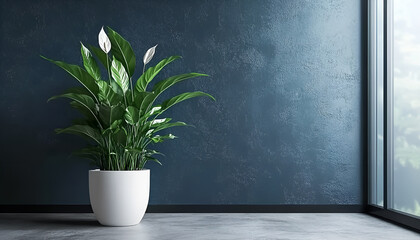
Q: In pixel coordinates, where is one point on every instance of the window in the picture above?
(406, 107)
(394, 110)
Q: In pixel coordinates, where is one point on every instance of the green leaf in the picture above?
(120, 75)
(154, 111)
(107, 95)
(150, 152)
(154, 160)
(109, 114)
(130, 100)
(120, 138)
(121, 49)
(157, 125)
(81, 75)
(84, 111)
(82, 100)
(147, 102)
(182, 97)
(157, 122)
(115, 124)
(134, 150)
(158, 138)
(102, 57)
(83, 130)
(139, 98)
(131, 115)
(93, 153)
(165, 84)
(169, 125)
(151, 72)
(90, 63)
(116, 88)
(113, 128)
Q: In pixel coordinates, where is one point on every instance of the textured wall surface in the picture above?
(287, 76)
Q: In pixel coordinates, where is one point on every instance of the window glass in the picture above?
(406, 126)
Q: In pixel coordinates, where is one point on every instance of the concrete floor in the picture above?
(158, 226)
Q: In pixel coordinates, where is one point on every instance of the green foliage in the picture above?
(120, 75)
(121, 49)
(101, 56)
(90, 64)
(79, 74)
(120, 121)
(148, 76)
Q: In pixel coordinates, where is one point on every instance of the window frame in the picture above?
(373, 187)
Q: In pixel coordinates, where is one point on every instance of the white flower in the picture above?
(157, 121)
(149, 55)
(149, 132)
(104, 42)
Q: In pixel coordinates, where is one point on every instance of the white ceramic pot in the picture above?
(119, 198)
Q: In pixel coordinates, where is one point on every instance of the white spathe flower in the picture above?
(157, 121)
(155, 109)
(104, 42)
(149, 55)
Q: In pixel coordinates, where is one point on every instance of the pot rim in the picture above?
(113, 171)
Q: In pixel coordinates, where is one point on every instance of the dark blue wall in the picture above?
(287, 75)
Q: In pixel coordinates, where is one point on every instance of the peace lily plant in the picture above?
(121, 118)
(121, 121)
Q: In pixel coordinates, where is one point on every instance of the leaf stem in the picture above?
(132, 90)
(107, 68)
